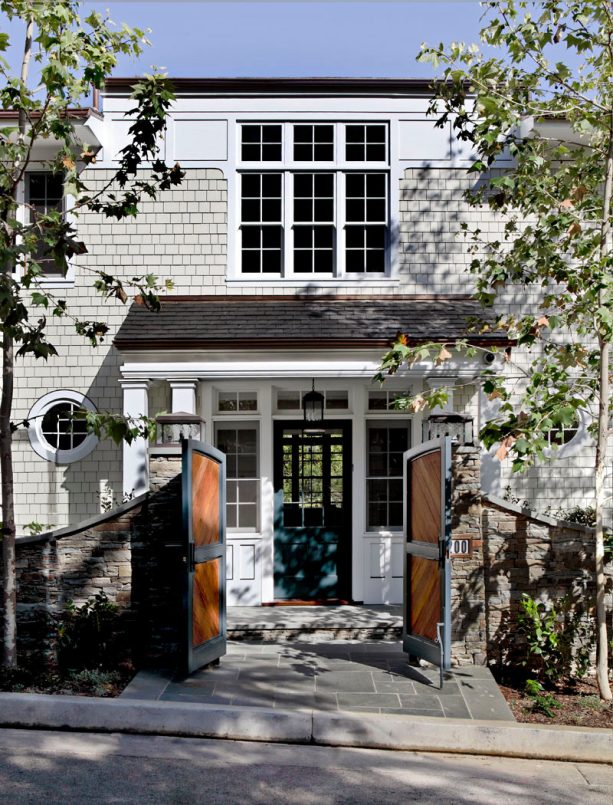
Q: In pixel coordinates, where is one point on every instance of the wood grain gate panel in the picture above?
(427, 530)
(203, 490)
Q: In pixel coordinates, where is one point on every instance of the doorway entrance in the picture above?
(312, 539)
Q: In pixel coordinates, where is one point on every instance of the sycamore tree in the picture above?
(539, 90)
(62, 56)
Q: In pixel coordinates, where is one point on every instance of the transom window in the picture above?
(366, 143)
(261, 143)
(236, 401)
(313, 143)
(329, 220)
(291, 399)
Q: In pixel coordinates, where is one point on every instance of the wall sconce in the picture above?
(458, 426)
(313, 406)
(173, 428)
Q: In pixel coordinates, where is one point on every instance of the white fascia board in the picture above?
(294, 367)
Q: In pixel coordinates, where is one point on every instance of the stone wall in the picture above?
(132, 554)
(468, 637)
(537, 555)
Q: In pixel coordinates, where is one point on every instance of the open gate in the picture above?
(204, 530)
(427, 569)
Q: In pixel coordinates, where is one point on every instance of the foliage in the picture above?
(535, 108)
(64, 55)
(558, 639)
(542, 702)
(88, 636)
(35, 528)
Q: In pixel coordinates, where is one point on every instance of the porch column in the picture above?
(135, 461)
(440, 382)
(183, 395)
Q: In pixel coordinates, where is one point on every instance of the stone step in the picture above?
(314, 624)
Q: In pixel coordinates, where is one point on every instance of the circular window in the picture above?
(565, 439)
(56, 432)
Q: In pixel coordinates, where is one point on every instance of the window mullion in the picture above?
(288, 222)
(340, 223)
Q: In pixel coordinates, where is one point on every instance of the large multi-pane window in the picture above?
(386, 442)
(323, 210)
(239, 441)
(44, 194)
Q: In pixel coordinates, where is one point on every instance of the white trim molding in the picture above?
(39, 443)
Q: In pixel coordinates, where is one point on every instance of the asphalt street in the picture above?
(62, 767)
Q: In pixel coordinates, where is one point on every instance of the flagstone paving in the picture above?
(349, 676)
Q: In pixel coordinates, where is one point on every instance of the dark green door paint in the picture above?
(312, 511)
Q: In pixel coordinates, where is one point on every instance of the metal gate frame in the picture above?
(194, 657)
(437, 652)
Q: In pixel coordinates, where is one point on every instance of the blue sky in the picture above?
(290, 38)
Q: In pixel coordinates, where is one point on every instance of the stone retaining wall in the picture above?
(537, 555)
(133, 554)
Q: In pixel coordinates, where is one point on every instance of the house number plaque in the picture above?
(460, 547)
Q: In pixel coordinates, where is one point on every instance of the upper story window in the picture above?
(324, 210)
(261, 143)
(44, 193)
(314, 143)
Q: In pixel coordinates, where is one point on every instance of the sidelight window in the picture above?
(240, 443)
(386, 442)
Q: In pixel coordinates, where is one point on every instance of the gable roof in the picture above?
(286, 322)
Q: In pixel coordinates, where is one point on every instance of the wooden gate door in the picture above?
(204, 529)
(427, 569)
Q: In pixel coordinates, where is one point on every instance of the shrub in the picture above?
(87, 636)
(541, 702)
(558, 638)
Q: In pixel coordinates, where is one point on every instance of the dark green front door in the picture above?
(312, 511)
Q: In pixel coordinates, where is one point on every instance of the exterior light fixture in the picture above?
(313, 406)
(173, 428)
(458, 426)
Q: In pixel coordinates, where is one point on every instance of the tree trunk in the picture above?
(9, 592)
(602, 447)
(9, 584)
(601, 463)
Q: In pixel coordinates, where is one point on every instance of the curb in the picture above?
(366, 730)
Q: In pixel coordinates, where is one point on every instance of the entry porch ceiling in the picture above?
(293, 322)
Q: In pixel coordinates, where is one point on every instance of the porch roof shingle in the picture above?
(242, 322)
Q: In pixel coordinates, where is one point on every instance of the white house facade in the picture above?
(317, 219)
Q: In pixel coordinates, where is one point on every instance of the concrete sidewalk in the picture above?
(361, 730)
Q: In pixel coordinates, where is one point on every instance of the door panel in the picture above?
(203, 478)
(427, 569)
(312, 511)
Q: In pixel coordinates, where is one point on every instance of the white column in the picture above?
(183, 396)
(439, 382)
(135, 454)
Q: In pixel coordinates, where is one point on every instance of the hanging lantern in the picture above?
(458, 426)
(173, 428)
(313, 406)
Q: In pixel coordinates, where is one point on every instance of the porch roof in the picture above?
(282, 322)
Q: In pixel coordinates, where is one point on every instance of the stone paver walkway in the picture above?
(370, 677)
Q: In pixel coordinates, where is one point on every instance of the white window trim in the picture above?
(579, 440)
(22, 215)
(371, 420)
(339, 166)
(245, 423)
(40, 445)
